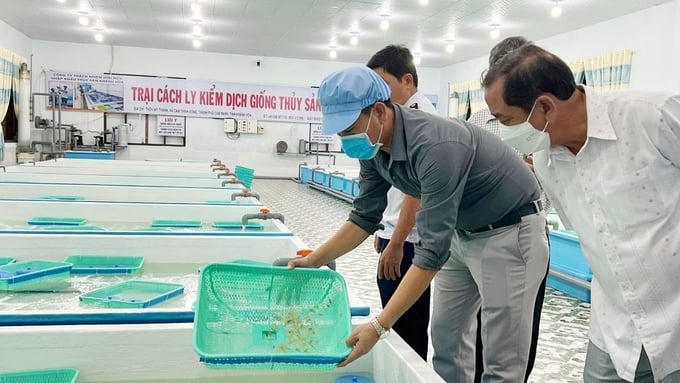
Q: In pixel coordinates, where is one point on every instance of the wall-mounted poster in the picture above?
(171, 126)
(319, 138)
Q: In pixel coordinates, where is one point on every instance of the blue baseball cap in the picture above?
(345, 93)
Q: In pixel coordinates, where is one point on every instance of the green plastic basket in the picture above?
(62, 375)
(105, 264)
(7, 260)
(34, 276)
(245, 175)
(234, 225)
(175, 223)
(257, 316)
(61, 221)
(132, 294)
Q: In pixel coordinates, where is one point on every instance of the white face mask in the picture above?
(524, 137)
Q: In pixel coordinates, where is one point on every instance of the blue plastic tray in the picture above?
(176, 223)
(34, 276)
(63, 221)
(6, 260)
(61, 197)
(234, 225)
(105, 264)
(133, 294)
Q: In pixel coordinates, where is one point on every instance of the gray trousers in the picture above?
(501, 271)
(600, 369)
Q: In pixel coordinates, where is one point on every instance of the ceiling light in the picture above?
(556, 10)
(384, 23)
(354, 40)
(196, 30)
(61, 1)
(195, 7)
(83, 20)
(450, 47)
(196, 43)
(495, 32)
(423, 2)
(332, 54)
(416, 60)
(99, 37)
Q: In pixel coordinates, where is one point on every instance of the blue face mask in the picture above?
(359, 145)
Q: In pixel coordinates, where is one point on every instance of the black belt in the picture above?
(511, 218)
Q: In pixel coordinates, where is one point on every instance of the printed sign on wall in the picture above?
(170, 126)
(319, 138)
(190, 98)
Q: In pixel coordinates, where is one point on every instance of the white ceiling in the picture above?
(304, 29)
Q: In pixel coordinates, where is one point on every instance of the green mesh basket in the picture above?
(257, 316)
(245, 175)
(62, 375)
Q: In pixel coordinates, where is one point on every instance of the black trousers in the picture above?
(412, 326)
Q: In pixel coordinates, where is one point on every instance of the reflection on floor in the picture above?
(314, 217)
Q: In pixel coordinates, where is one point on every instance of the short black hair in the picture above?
(504, 47)
(530, 71)
(396, 60)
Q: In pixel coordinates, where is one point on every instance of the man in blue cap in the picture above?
(480, 219)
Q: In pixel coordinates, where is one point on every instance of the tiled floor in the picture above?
(314, 216)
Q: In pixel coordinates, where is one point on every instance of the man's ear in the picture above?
(379, 111)
(407, 79)
(546, 104)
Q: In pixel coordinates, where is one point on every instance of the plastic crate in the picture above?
(62, 375)
(105, 264)
(169, 223)
(57, 221)
(321, 177)
(305, 174)
(235, 225)
(34, 276)
(336, 182)
(257, 316)
(132, 294)
(7, 260)
(348, 186)
(355, 187)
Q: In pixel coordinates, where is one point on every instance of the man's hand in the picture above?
(362, 339)
(529, 159)
(389, 266)
(376, 243)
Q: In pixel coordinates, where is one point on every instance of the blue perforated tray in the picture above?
(133, 294)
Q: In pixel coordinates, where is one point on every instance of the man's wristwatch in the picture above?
(382, 331)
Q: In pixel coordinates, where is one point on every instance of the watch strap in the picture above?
(379, 329)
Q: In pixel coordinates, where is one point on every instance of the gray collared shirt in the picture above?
(465, 178)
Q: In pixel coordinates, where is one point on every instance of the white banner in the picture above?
(191, 98)
(170, 126)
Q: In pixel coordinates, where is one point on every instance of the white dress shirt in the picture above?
(395, 198)
(621, 194)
